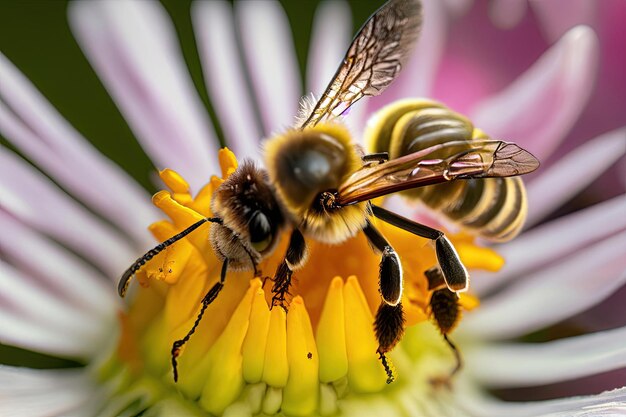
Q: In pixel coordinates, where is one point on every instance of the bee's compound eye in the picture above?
(260, 231)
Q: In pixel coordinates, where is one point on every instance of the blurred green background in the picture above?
(36, 37)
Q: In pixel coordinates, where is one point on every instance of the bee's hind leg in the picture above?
(454, 272)
(389, 322)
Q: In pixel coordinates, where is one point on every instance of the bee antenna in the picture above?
(128, 274)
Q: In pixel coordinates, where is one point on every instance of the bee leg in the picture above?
(454, 272)
(294, 259)
(210, 296)
(128, 274)
(378, 157)
(445, 311)
(389, 322)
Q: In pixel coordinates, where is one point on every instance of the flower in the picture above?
(60, 303)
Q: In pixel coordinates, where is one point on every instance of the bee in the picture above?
(492, 208)
(318, 184)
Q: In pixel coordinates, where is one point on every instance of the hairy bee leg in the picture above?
(389, 321)
(390, 272)
(210, 296)
(454, 272)
(294, 259)
(127, 275)
(445, 310)
(379, 157)
(389, 328)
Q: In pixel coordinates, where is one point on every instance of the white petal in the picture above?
(554, 240)
(555, 22)
(214, 26)
(34, 318)
(271, 61)
(539, 108)
(417, 77)
(133, 47)
(30, 123)
(331, 34)
(573, 173)
(41, 393)
(553, 294)
(529, 364)
(62, 273)
(607, 404)
(36, 201)
(506, 14)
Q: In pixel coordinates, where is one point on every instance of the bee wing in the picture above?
(373, 60)
(480, 158)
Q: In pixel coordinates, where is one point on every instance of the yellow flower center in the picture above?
(245, 358)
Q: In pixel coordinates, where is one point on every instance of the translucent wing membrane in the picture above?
(375, 57)
(440, 163)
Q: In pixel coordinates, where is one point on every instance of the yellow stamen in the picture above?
(300, 396)
(365, 373)
(331, 335)
(256, 339)
(224, 383)
(276, 370)
(174, 181)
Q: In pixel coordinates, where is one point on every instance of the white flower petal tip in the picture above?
(573, 173)
(34, 127)
(506, 14)
(271, 61)
(529, 364)
(606, 404)
(555, 21)
(553, 294)
(214, 24)
(539, 108)
(133, 47)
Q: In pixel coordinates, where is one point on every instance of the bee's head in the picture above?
(251, 216)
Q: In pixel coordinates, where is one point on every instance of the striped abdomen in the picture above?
(494, 208)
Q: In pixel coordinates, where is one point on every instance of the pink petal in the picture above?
(45, 393)
(56, 269)
(607, 404)
(553, 294)
(33, 199)
(36, 319)
(417, 78)
(457, 8)
(573, 173)
(539, 108)
(528, 364)
(330, 38)
(557, 16)
(224, 76)
(506, 14)
(133, 47)
(30, 123)
(271, 61)
(555, 240)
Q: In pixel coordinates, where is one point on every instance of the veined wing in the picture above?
(375, 57)
(481, 158)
